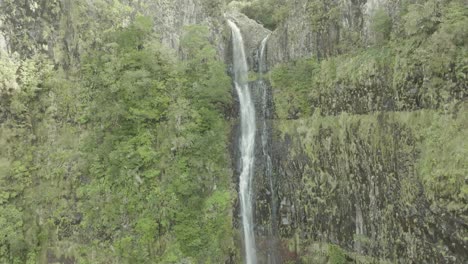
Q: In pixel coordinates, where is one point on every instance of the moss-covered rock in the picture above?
(388, 185)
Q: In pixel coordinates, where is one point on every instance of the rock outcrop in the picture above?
(171, 17)
(63, 29)
(253, 34)
(326, 29)
(3, 42)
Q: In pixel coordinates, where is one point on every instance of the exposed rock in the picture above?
(253, 34)
(356, 181)
(293, 39)
(172, 16)
(299, 37)
(55, 27)
(3, 42)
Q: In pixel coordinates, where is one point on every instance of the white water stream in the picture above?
(272, 253)
(247, 142)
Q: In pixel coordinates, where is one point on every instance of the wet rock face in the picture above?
(253, 34)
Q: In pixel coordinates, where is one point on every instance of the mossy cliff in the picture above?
(371, 116)
(66, 29)
(387, 185)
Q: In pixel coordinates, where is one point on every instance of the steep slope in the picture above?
(370, 98)
(326, 28)
(66, 29)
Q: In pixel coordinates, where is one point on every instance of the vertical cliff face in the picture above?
(63, 29)
(351, 161)
(357, 181)
(320, 29)
(171, 17)
(254, 34)
(351, 170)
(3, 42)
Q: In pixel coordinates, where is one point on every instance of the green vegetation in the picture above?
(326, 253)
(336, 255)
(375, 138)
(381, 25)
(411, 71)
(270, 13)
(405, 171)
(114, 150)
(120, 158)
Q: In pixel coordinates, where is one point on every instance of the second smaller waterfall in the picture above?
(273, 247)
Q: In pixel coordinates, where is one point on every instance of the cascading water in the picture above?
(247, 142)
(266, 116)
(272, 257)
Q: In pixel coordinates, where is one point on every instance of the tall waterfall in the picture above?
(247, 142)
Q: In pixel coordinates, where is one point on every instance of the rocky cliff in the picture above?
(361, 182)
(63, 29)
(325, 28)
(356, 163)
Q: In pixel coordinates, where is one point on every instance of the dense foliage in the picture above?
(123, 158)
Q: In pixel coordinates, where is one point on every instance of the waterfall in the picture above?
(266, 116)
(272, 257)
(247, 142)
